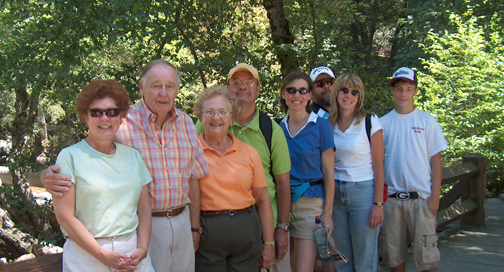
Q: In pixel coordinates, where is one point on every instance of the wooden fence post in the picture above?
(477, 190)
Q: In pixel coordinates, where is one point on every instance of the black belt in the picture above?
(317, 182)
(226, 212)
(405, 195)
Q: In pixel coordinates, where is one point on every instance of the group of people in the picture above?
(148, 190)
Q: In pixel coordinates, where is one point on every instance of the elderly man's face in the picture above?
(244, 93)
(159, 89)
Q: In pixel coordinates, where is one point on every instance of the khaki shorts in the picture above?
(413, 217)
(303, 212)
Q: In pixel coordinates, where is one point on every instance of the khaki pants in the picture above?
(171, 244)
(413, 217)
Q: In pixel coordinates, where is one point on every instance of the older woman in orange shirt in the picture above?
(236, 214)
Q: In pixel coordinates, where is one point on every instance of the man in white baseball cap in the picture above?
(323, 77)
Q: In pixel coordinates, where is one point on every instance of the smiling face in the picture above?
(159, 88)
(102, 128)
(216, 125)
(347, 101)
(297, 101)
(403, 93)
(244, 93)
(322, 91)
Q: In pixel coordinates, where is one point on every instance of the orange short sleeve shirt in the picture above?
(232, 175)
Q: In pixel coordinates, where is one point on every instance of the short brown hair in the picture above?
(99, 89)
(290, 78)
(214, 91)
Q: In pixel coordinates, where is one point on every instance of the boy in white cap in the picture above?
(413, 144)
(323, 77)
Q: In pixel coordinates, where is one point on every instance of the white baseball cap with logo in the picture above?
(321, 70)
(404, 73)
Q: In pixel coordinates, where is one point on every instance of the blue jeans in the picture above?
(352, 234)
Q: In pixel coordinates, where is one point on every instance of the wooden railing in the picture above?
(468, 181)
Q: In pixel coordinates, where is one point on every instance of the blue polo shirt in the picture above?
(306, 148)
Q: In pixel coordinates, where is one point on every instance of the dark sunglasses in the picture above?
(354, 92)
(109, 112)
(321, 83)
(293, 90)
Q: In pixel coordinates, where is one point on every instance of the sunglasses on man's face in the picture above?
(345, 91)
(322, 82)
(293, 90)
(109, 112)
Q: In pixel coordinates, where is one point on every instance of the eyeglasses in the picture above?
(345, 91)
(221, 113)
(293, 90)
(237, 83)
(109, 112)
(322, 82)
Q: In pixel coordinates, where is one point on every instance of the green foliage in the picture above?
(463, 87)
(54, 48)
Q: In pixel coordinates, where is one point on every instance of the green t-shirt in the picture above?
(252, 135)
(107, 187)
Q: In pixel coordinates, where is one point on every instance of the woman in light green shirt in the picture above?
(106, 214)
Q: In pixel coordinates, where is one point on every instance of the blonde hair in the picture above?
(354, 81)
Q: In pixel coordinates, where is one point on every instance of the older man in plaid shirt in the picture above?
(168, 142)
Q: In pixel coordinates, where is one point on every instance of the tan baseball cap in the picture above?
(243, 67)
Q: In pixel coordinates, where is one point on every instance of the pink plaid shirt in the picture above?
(172, 153)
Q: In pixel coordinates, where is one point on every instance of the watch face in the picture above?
(284, 227)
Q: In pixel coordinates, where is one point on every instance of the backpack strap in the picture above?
(368, 126)
(267, 131)
(266, 128)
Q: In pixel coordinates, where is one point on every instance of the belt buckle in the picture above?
(231, 213)
(168, 213)
(403, 195)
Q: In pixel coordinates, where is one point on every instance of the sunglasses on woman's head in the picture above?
(109, 112)
(293, 90)
(345, 91)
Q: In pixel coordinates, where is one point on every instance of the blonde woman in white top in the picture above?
(359, 175)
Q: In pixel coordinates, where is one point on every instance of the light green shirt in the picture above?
(252, 135)
(107, 187)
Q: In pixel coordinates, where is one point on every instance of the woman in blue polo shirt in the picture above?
(311, 149)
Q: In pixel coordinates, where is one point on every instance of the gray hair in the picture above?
(155, 62)
(215, 91)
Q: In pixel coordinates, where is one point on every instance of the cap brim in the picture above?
(392, 81)
(240, 70)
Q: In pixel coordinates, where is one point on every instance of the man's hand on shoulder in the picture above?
(56, 184)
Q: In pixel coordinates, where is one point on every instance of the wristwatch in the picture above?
(271, 243)
(379, 204)
(285, 227)
(200, 230)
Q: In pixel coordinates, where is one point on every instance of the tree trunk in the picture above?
(281, 36)
(19, 202)
(13, 244)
